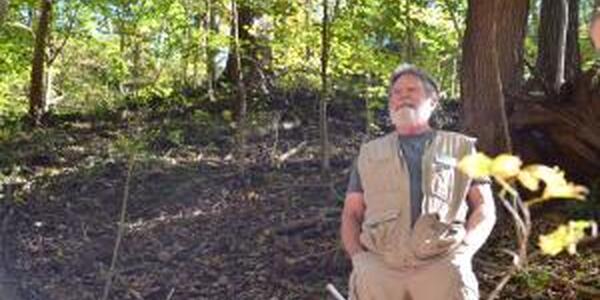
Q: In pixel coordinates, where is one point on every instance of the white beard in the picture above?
(407, 116)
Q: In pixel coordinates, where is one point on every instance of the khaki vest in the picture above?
(385, 181)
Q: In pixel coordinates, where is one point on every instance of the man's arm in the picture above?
(482, 216)
(352, 218)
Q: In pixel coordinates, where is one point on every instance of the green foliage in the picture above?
(127, 148)
(108, 52)
(15, 57)
(534, 279)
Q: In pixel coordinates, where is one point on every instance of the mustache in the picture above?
(403, 105)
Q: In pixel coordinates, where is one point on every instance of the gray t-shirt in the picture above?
(412, 147)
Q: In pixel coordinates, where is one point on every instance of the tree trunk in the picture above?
(36, 93)
(325, 41)
(241, 88)
(136, 72)
(409, 33)
(49, 100)
(563, 133)
(511, 28)
(211, 29)
(197, 51)
(185, 55)
(3, 10)
(573, 54)
(483, 112)
(245, 16)
(558, 58)
(308, 24)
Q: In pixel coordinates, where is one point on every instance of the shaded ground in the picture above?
(199, 229)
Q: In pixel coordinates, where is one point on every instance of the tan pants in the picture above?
(447, 279)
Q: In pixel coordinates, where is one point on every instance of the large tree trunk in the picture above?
(245, 17)
(483, 112)
(36, 93)
(573, 55)
(558, 50)
(255, 51)
(511, 28)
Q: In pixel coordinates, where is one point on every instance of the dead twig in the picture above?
(500, 286)
(589, 290)
(285, 156)
(297, 260)
(334, 292)
(171, 294)
(120, 232)
(299, 225)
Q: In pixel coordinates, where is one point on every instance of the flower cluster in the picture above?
(506, 167)
(565, 237)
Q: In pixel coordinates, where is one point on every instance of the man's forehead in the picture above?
(408, 79)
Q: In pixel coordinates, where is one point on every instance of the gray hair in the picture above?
(429, 84)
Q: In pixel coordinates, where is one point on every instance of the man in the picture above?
(595, 29)
(405, 223)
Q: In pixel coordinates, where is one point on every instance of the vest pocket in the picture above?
(442, 175)
(380, 232)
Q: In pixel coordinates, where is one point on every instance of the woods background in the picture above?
(269, 100)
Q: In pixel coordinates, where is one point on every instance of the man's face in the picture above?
(409, 104)
(595, 33)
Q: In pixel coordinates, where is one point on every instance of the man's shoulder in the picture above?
(453, 135)
(377, 142)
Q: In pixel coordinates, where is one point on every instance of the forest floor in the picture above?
(199, 228)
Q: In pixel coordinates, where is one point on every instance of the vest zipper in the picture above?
(426, 173)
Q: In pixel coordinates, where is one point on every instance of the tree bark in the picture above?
(573, 54)
(185, 55)
(563, 133)
(308, 23)
(245, 16)
(409, 33)
(3, 10)
(558, 58)
(241, 89)
(325, 42)
(210, 30)
(36, 92)
(483, 112)
(511, 28)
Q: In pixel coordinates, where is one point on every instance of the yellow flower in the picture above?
(506, 166)
(565, 237)
(567, 190)
(551, 176)
(553, 243)
(528, 180)
(476, 165)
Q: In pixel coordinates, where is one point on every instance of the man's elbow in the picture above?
(489, 214)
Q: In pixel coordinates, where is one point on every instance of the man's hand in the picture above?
(352, 218)
(482, 217)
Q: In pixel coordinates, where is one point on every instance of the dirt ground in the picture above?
(199, 228)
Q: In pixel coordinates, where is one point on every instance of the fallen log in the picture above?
(563, 132)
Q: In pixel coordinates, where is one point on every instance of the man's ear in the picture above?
(435, 103)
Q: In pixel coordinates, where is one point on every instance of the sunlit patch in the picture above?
(164, 219)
